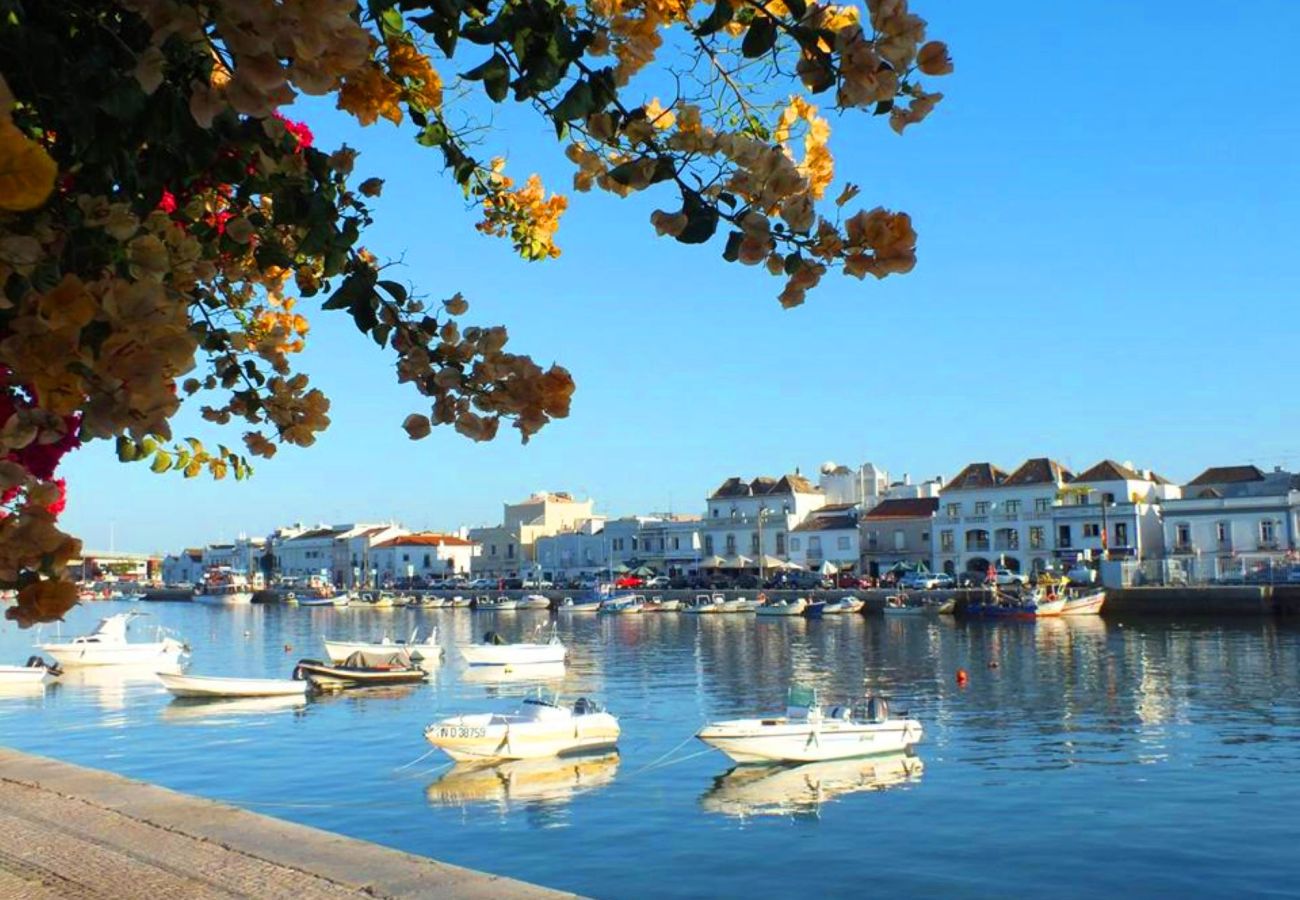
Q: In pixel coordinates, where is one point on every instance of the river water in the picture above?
(1082, 756)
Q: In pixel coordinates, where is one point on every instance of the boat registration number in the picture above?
(456, 731)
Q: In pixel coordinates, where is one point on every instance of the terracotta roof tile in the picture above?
(976, 475)
(1227, 475)
(905, 508)
(426, 539)
(1039, 470)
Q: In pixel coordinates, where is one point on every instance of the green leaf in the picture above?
(162, 461)
(701, 219)
(127, 451)
(760, 38)
(433, 135)
(717, 19)
(495, 75)
(732, 251)
(578, 103)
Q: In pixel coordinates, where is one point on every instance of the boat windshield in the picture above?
(802, 697)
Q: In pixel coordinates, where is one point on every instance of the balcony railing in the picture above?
(976, 519)
(1008, 516)
(977, 546)
(1006, 545)
(1270, 545)
(1181, 547)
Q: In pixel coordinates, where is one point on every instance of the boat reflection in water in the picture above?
(511, 674)
(112, 686)
(552, 781)
(778, 790)
(212, 712)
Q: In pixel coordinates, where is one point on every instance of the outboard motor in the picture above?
(877, 709)
(493, 638)
(581, 706)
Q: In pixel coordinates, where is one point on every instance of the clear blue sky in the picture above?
(1107, 203)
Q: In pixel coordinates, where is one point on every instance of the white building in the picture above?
(895, 532)
(1111, 511)
(509, 548)
(426, 555)
(185, 567)
(863, 487)
(352, 565)
(748, 518)
(1234, 519)
(829, 534)
(672, 545)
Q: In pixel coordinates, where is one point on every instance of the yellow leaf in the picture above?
(26, 171)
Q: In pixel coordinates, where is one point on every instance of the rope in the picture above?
(669, 764)
(422, 756)
(664, 756)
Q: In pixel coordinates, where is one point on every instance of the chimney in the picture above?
(907, 478)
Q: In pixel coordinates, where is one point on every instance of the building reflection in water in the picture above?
(801, 790)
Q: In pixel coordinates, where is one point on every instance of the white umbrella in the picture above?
(828, 568)
(793, 566)
(712, 562)
(737, 562)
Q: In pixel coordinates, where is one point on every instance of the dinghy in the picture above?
(427, 650)
(807, 733)
(495, 651)
(539, 728)
(34, 671)
(107, 646)
(793, 607)
(215, 686)
(361, 670)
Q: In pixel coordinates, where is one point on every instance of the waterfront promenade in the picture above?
(68, 831)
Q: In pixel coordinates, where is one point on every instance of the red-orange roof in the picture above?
(426, 539)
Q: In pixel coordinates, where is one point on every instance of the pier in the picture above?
(70, 831)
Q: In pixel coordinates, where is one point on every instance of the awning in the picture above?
(737, 562)
(712, 562)
(828, 568)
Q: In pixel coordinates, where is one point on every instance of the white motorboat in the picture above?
(802, 789)
(658, 604)
(459, 602)
(373, 600)
(807, 733)
(428, 649)
(622, 606)
(107, 646)
(1088, 603)
(216, 686)
(539, 728)
(793, 607)
(533, 601)
(34, 671)
(495, 651)
(580, 606)
(739, 605)
(902, 605)
(705, 604)
(500, 604)
(223, 586)
(842, 607)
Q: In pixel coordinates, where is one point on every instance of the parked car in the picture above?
(944, 582)
(918, 581)
(539, 583)
(629, 581)
(482, 584)
(1005, 577)
(659, 581)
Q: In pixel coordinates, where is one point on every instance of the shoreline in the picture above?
(68, 830)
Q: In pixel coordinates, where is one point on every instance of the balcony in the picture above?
(1008, 516)
(976, 519)
(1006, 545)
(977, 546)
(1270, 545)
(1182, 547)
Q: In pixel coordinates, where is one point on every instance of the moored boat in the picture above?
(107, 646)
(216, 686)
(426, 650)
(1087, 603)
(499, 604)
(533, 601)
(580, 606)
(902, 605)
(807, 733)
(372, 600)
(496, 651)
(540, 728)
(361, 670)
(658, 604)
(223, 586)
(793, 607)
(460, 602)
(706, 604)
(1032, 604)
(842, 607)
(317, 601)
(625, 605)
(34, 671)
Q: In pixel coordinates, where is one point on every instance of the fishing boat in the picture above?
(215, 686)
(361, 670)
(223, 586)
(428, 602)
(706, 604)
(34, 671)
(372, 600)
(500, 604)
(427, 650)
(807, 733)
(802, 789)
(107, 646)
(842, 607)
(528, 782)
(1087, 603)
(533, 601)
(540, 728)
(902, 605)
(495, 651)
(459, 602)
(1032, 604)
(579, 606)
(793, 607)
(619, 606)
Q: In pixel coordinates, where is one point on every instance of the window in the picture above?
(1012, 507)
(1063, 536)
(780, 543)
(794, 544)
(1091, 530)
(708, 545)
(1183, 535)
(842, 542)
(873, 540)
(427, 563)
(1042, 504)
(492, 549)
(753, 542)
(1036, 537)
(1108, 499)
(946, 543)
(1121, 534)
(954, 510)
(815, 544)
(925, 537)
(634, 544)
(982, 508)
(1222, 532)
(1267, 533)
(900, 539)
(731, 545)
(406, 557)
(677, 543)
(510, 551)
(715, 512)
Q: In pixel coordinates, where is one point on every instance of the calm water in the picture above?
(1149, 758)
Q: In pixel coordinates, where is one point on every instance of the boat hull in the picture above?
(24, 675)
(472, 738)
(164, 654)
(1088, 604)
(751, 741)
(512, 654)
(330, 676)
(339, 651)
(239, 598)
(209, 686)
(793, 609)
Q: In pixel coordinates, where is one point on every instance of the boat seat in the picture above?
(842, 713)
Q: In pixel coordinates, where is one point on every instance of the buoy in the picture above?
(993, 664)
(962, 677)
(288, 648)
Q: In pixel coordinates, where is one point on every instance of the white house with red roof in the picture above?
(423, 554)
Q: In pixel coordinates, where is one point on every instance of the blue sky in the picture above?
(1106, 202)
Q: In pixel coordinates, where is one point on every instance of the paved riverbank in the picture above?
(68, 831)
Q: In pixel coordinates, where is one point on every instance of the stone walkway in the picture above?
(72, 832)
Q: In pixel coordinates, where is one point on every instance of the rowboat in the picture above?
(495, 651)
(802, 789)
(361, 670)
(540, 728)
(807, 733)
(215, 686)
(1087, 603)
(34, 671)
(428, 649)
(579, 606)
(107, 646)
(793, 607)
(842, 607)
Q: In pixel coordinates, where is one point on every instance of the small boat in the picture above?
(659, 604)
(946, 607)
(428, 602)
(626, 605)
(739, 605)
(807, 733)
(814, 609)
(843, 606)
(290, 599)
(1088, 603)
(107, 646)
(34, 671)
(579, 606)
(1033, 604)
(318, 601)
(459, 602)
(902, 605)
(361, 670)
(222, 586)
(373, 600)
(706, 604)
(533, 601)
(500, 604)
(213, 686)
(540, 728)
(495, 651)
(428, 650)
(793, 607)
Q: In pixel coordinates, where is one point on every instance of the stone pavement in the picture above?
(72, 832)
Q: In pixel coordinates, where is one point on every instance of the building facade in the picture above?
(897, 532)
(746, 519)
(827, 535)
(426, 555)
(508, 549)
